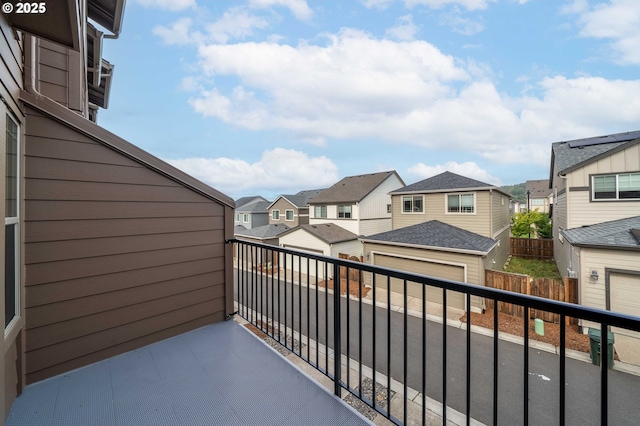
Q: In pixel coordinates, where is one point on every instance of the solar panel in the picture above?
(599, 140)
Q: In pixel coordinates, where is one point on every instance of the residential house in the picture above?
(292, 210)
(540, 195)
(252, 214)
(596, 184)
(107, 248)
(447, 226)
(360, 204)
(607, 256)
(326, 239)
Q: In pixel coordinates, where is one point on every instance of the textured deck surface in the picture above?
(215, 375)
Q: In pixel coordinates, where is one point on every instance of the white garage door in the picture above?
(434, 294)
(625, 297)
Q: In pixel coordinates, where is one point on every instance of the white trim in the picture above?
(411, 212)
(293, 215)
(500, 231)
(446, 204)
(273, 213)
(422, 259)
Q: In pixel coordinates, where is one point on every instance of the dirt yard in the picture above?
(353, 287)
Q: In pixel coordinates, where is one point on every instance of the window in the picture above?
(11, 221)
(288, 215)
(617, 187)
(388, 208)
(344, 212)
(461, 203)
(245, 218)
(320, 211)
(237, 217)
(412, 204)
(275, 215)
(537, 201)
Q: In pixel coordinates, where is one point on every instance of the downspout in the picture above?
(30, 70)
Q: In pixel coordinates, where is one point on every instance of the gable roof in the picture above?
(615, 234)
(446, 181)
(437, 235)
(263, 232)
(538, 188)
(330, 233)
(254, 207)
(352, 188)
(249, 199)
(301, 199)
(570, 155)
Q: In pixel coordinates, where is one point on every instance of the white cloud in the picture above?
(406, 30)
(236, 23)
(358, 87)
(434, 4)
(171, 5)
(468, 169)
(299, 8)
(179, 33)
(617, 21)
(277, 169)
(459, 24)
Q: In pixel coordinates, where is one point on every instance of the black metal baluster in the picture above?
(526, 366)
(388, 346)
(337, 351)
(360, 333)
(405, 360)
(424, 354)
(373, 339)
(563, 373)
(444, 356)
(348, 323)
(604, 370)
(468, 359)
(496, 332)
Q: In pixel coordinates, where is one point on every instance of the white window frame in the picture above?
(617, 189)
(237, 217)
(346, 212)
(412, 209)
(460, 194)
(245, 217)
(321, 208)
(11, 330)
(275, 214)
(286, 215)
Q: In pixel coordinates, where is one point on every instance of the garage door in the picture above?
(625, 297)
(434, 294)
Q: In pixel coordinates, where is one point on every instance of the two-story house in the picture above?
(539, 195)
(252, 213)
(106, 247)
(360, 204)
(292, 210)
(596, 185)
(447, 226)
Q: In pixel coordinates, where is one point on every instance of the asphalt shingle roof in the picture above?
(255, 207)
(616, 233)
(302, 198)
(436, 234)
(271, 230)
(569, 154)
(245, 200)
(538, 188)
(351, 188)
(445, 181)
(329, 232)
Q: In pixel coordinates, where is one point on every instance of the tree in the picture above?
(531, 223)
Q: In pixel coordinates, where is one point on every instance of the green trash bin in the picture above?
(594, 340)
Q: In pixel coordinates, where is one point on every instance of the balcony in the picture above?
(402, 360)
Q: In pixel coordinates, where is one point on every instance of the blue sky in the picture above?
(274, 96)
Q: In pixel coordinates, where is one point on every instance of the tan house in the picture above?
(540, 195)
(292, 210)
(107, 248)
(594, 180)
(360, 204)
(447, 226)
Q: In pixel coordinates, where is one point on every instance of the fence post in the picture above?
(337, 338)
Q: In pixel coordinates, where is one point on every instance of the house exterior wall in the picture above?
(255, 220)
(374, 205)
(435, 209)
(374, 226)
(117, 255)
(430, 262)
(500, 215)
(11, 349)
(352, 248)
(282, 206)
(499, 254)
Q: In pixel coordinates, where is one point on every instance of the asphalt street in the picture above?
(582, 384)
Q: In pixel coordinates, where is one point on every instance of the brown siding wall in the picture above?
(117, 255)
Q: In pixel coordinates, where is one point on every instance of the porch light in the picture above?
(594, 275)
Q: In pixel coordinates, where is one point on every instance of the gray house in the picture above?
(253, 214)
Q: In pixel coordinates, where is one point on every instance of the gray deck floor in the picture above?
(216, 375)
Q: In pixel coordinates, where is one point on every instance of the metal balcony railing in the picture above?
(395, 355)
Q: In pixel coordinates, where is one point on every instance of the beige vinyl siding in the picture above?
(283, 205)
(374, 226)
(352, 248)
(351, 225)
(435, 209)
(499, 253)
(430, 262)
(584, 212)
(117, 255)
(626, 160)
(303, 241)
(593, 293)
(374, 205)
(500, 216)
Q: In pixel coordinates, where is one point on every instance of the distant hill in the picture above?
(518, 191)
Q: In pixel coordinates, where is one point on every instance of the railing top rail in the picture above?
(592, 314)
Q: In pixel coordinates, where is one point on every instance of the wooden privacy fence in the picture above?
(541, 287)
(354, 274)
(531, 248)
